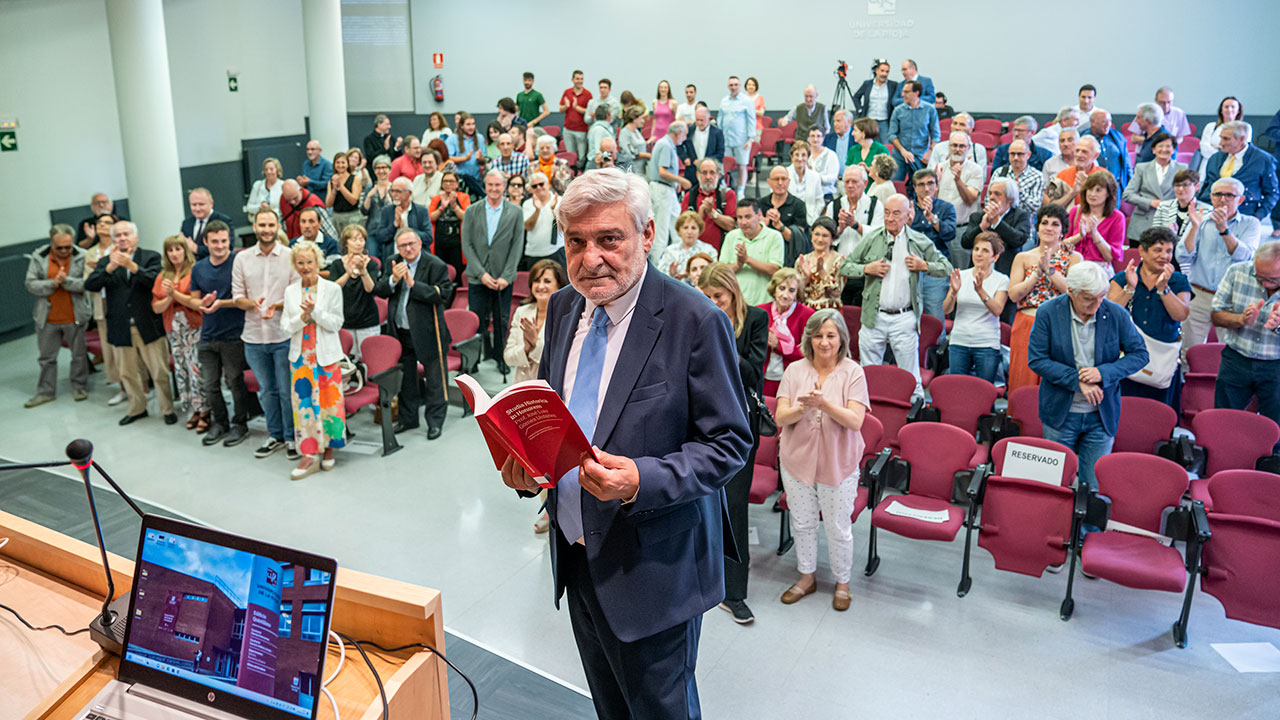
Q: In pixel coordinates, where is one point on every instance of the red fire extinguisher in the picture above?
(437, 88)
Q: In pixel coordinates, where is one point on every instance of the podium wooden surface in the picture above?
(54, 579)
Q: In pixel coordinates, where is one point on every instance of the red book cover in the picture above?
(528, 421)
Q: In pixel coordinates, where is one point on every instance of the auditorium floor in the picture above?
(437, 514)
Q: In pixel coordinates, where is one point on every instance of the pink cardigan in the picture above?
(1111, 229)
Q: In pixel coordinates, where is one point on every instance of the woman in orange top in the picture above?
(446, 211)
(171, 298)
(1037, 276)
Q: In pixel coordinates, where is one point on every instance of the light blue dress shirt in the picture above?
(402, 312)
(1206, 266)
(491, 218)
(737, 120)
(318, 174)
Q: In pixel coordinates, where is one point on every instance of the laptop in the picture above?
(220, 627)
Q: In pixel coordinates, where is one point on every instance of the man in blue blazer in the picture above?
(1082, 345)
(1255, 168)
(911, 72)
(875, 97)
(649, 369)
(200, 201)
(688, 151)
(402, 212)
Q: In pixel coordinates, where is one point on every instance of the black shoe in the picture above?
(131, 418)
(738, 608)
(236, 436)
(291, 452)
(402, 426)
(433, 433)
(171, 419)
(268, 447)
(213, 435)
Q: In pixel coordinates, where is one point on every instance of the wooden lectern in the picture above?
(51, 578)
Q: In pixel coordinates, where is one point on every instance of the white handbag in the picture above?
(1162, 362)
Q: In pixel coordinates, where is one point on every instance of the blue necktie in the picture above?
(582, 405)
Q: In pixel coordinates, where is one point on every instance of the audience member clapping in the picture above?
(356, 273)
(55, 276)
(977, 296)
(171, 299)
(804, 182)
(787, 317)
(265, 193)
(689, 225)
(1151, 185)
(1037, 276)
(1097, 225)
(818, 272)
(342, 196)
(447, 210)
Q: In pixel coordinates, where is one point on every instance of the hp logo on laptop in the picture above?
(212, 697)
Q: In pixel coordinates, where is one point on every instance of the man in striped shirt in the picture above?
(1246, 310)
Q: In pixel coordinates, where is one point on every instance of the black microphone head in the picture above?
(80, 451)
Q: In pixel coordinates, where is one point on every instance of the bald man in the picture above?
(807, 115)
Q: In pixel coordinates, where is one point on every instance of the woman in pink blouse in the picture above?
(1097, 225)
(786, 326)
(822, 402)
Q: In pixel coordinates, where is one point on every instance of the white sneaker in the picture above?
(118, 398)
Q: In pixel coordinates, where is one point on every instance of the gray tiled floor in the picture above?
(437, 514)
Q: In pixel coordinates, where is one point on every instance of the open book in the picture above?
(529, 422)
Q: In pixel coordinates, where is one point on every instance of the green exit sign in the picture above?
(233, 84)
(8, 141)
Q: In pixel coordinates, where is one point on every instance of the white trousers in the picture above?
(836, 505)
(666, 208)
(742, 156)
(1195, 329)
(899, 332)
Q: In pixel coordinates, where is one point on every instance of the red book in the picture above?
(529, 422)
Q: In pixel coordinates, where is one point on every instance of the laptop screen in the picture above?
(239, 618)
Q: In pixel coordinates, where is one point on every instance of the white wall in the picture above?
(58, 82)
(975, 51)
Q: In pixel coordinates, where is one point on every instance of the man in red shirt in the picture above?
(573, 103)
(717, 204)
(293, 198)
(409, 164)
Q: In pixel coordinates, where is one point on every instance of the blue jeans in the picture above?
(977, 361)
(1241, 379)
(1083, 433)
(933, 291)
(270, 364)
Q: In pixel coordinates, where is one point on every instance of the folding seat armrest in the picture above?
(917, 405)
(876, 466)
(1097, 510)
(977, 483)
(469, 351)
(388, 379)
(1082, 500)
(1200, 522)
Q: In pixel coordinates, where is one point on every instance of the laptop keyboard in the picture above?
(96, 714)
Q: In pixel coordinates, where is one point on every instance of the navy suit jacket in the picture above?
(658, 561)
(1258, 173)
(189, 226)
(686, 153)
(927, 95)
(1051, 355)
(384, 238)
(862, 98)
(1038, 156)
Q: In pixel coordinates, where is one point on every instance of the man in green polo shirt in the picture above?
(533, 107)
(754, 251)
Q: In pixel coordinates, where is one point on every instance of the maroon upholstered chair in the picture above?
(381, 304)
(961, 399)
(1260, 488)
(852, 320)
(1197, 385)
(464, 352)
(1241, 567)
(764, 473)
(347, 340)
(1027, 525)
(1138, 502)
(925, 469)
(1024, 408)
(930, 331)
(1233, 438)
(890, 388)
(1143, 423)
(381, 356)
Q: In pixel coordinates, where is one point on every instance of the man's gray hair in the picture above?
(712, 161)
(1010, 189)
(1089, 139)
(847, 113)
(1069, 131)
(1268, 251)
(857, 169)
(121, 225)
(1088, 278)
(499, 173)
(538, 174)
(1151, 112)
(1027, 122)
(402, 183)
(815, 323)
(404, 230)
(547, 139)
(602, 111)
(1231, 182)
(1065, 112)
(675, 128)
(1237, 128)
(606, 186)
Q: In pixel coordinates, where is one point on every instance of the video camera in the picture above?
(842, 69)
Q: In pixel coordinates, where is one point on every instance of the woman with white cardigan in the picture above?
(312, 316)
(265, 193)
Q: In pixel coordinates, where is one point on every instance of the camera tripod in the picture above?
(841, 94)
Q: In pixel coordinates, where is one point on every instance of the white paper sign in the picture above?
(1028, 462)
(929, 516)
(1250, 657)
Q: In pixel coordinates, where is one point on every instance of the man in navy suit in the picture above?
(638, 537)
(875, 97)
(1240, 159)
(403, 212)
(200, 200)
(1082, 345)
(911, 72)
(704, 141)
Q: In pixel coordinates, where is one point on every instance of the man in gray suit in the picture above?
(493, 241)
